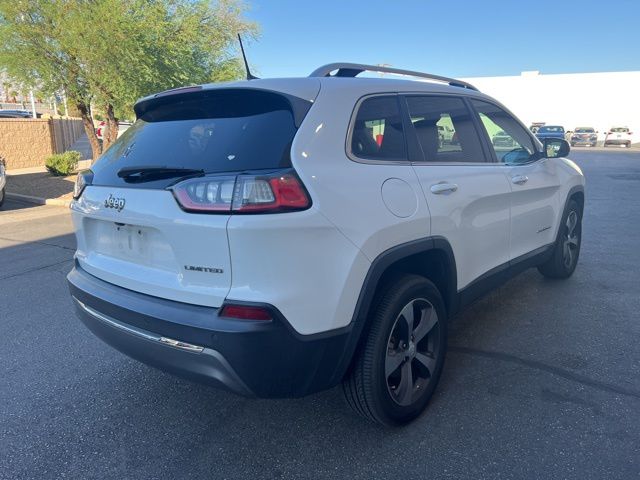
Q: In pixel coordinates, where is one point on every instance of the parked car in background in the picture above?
(502, 139)
(3, 181)
(535, 126)
(618, 136)
(122, 127)
(17, 114)
(584, 136)
(446, 133)
(550, 131)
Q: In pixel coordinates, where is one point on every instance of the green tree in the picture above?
(110, 52)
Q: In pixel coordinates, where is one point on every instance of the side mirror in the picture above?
(555, 147)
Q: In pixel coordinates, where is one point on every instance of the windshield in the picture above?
(550, 130)
(214, 131)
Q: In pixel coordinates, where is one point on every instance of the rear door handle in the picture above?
(443, 188)
(519, 179)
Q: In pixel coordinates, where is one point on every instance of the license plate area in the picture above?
(135, 244)
(130, 241)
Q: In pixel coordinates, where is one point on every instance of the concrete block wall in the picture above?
(27, 142)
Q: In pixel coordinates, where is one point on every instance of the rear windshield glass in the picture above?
(215, 131)
(550, 129)
(620, 129)
(585, 130)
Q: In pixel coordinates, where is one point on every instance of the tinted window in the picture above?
(552, 129)
(444, 129)
(377, 130)
(215, 131)
(510, 141)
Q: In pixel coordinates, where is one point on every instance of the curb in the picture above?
(38, 200)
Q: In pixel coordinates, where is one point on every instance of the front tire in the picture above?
(2, 196)
(400, 361)
(567, 247)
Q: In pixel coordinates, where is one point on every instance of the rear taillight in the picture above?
(84, 178)
(206, 194)
(273, 193)
(245, 312)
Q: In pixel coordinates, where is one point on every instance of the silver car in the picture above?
(3, 180)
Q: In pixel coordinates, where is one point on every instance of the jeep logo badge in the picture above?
(114, 202)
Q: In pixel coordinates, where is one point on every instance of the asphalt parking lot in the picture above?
(542, 379)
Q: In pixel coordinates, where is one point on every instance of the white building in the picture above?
(599, 100)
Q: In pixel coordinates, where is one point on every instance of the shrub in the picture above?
(63, 163)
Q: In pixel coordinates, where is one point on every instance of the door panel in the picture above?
(474, 218)
(534, 181)
(533, 205)
(468, 198)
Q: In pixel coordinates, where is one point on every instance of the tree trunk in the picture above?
(96, 150)
(111, 133)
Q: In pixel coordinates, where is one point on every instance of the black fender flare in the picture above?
(572, 191)
(371, 282)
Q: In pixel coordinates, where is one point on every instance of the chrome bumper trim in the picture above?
(138, 332)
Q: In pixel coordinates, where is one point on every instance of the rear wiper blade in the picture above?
(148, 172)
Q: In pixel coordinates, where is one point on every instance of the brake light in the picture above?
(272, 193)
(245, 312)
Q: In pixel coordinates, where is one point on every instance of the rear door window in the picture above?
(215, 131)
(444, 129)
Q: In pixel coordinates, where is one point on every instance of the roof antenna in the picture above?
(246, 64)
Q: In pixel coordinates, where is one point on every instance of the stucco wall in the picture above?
(28, 142)
(600, 100)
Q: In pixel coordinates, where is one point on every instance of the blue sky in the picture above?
(462, 38)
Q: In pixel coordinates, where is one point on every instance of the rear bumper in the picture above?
(583, 141)
(264, 359)
(616, 141)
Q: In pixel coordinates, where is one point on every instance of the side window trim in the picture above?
(348, 142)
(415, 154)
(486, 140)
(412, 139)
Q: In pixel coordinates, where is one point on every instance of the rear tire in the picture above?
(567, 246)
(398, 366)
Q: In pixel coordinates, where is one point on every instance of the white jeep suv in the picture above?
(279, 237)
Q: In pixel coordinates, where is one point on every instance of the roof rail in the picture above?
(354, 69)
